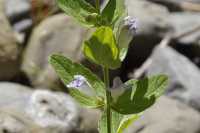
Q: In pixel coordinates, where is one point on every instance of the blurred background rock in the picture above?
(32, 98)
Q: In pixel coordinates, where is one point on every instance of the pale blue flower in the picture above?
(131, 23)
(78, 81)
(127, 30)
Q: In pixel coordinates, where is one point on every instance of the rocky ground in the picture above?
(167, 41)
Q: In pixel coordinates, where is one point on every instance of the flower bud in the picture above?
(127, 30)
(118, 88)
(92, 18)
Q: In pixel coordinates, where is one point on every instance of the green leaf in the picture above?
(109, 11)
(85, 100)
(123, 53)
(140, 95)
(66, 69)
(119, 122)
(114, 10)
(101, 48)
(79, 9)
(120, 10)
(126, 121)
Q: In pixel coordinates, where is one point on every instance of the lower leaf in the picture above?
(119, 122)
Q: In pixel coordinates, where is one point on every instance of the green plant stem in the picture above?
(98, 5)
(108, 99)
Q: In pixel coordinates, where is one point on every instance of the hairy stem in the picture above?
(108, 98)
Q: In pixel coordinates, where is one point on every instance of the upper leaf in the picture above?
(120, 9)
(101, 48)
(114, 10)
(140, 95)
(66, 69)
(81, 10)
(109, 11)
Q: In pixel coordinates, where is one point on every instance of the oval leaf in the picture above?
(141, 94)
(79, 9)
(66, 69)
(114, 10)
(101, 48)
(109, 11)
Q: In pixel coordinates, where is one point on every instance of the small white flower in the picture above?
(78, 81)
(131, 23)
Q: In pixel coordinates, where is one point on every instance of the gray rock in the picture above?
(186, 27)
(186, 22)
(178, 5)
(23, 25)
(89, 120)
(16, 9)
(14, 95)
(55, 112)
(184, 76)
(155, 24)
(13, 100)
(152, 25)
(13, 122)
(25, 111)
(9, 49)
(19, 14)
(57, 34)
(167, 116)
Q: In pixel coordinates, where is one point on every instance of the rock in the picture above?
(167, 116)
(41, 9)
(13, 100)
(55, 112)
(57, 34)
(186, 27)
(23, 26)
(151, 28)
(9, 49)
(10, 122)
(17, 9)
(179, 5)
(155, 24)
(41, 110)
(186, 22)
(19, 15)
(89, 120)
(15, 95)
(184, 76)
(191, 51)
